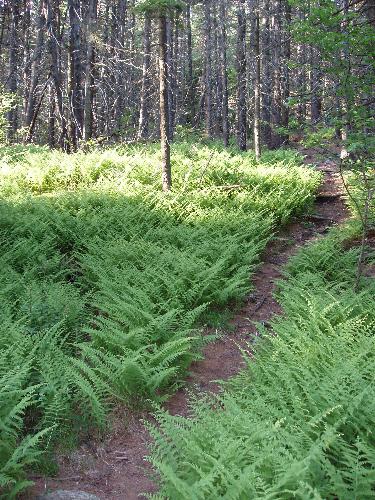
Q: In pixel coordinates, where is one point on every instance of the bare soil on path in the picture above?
(116, 468)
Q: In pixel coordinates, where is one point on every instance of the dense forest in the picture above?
(163, 332)
(89, 70)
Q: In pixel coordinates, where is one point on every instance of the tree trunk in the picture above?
(121, 51)
(144, 99)
(13, 66)
(189, 72)
(285, 82)
(208, 69)
(54, 42)
(75, 73)
(164, 104)
(223, 71)
(257, 144)
(89, 77)
(3, 16)
(241, 76)
(346, 74)
(51, 119)
(35, 65)
(170, 79)
(266, 84)
(315, 77)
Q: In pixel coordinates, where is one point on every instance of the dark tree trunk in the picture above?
(189, 72)
(13, 65)
(223, 71)
(121, 49)
(3, 18)
(35, 66)
(164, 104)
(145, 91)
(241, 76)
(54, 42)
(345, 76)
(89, 76)
(285, 82)
(170, 79)
(208, 69)
(281, 44)
(266, 84)
(51, 119)
(75, 73)
(257, 143)
(315, 88)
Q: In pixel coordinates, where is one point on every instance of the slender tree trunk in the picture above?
(75, 73)
(346, 74)
(122, 50)
(208, 69)
(277, 69)
(286, 52)
(175, 84)
(89, 77)
(54, 41)
(301, 76)
(189, 72)
(266, 84)
(145, 91)
(51, 119)
(3, 16)
(13, 66)
(170, 79)
(28, 29)
(257, 143)
(164, 104)
(223, 71)
(37, 107)
(316, 102)
(35, 65)
(241, 76)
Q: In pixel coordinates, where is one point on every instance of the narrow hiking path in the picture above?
(114, 468)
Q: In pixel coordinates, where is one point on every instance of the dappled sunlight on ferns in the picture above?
(106, 283)
(298, 421)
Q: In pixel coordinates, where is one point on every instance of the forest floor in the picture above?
(116, 468)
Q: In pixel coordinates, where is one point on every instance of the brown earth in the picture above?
(115, 468)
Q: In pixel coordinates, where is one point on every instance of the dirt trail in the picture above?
(114, 469)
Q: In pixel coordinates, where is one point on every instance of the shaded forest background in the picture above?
(87, 70)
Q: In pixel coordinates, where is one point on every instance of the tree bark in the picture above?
(241, 76)
(75, 73)
(257, 143)
(223, 71)
(35, 65)
(13, 65)
(145, 91)
(208, 69)
(51, 119)
(286, 52)
(54, 42)
(89, 76)
(170, 79)
(316, 101)
(266, 84)
(189, 72)
(164, 104)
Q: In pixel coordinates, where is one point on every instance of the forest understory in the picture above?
(118, 467)
(187, 249)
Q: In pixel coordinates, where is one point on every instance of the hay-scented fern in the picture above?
(298, 421)
(105, 283)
